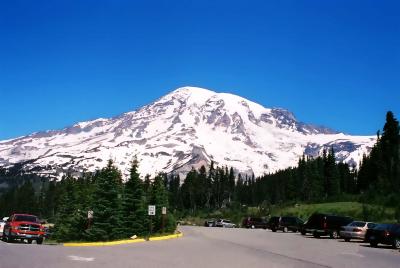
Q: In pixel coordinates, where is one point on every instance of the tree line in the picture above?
(119, 208)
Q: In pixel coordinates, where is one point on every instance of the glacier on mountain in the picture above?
(187, 128)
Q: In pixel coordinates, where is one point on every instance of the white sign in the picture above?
(152, 210)
(90, 214)
(164, 211)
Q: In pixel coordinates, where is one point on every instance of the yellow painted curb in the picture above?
(166, 237)
(122, 242)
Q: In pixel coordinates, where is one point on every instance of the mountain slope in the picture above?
(188, 127)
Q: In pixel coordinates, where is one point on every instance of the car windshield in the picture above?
(227, 221)
(357, 224)
(26, 218)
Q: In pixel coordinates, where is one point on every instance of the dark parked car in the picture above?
(253, 223)
(324, 224)
(388, 234)
(285, 224)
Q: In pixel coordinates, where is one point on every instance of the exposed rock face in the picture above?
(187, 128)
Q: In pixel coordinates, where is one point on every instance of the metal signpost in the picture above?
(90, 218)
(151, 212)
(164, 213)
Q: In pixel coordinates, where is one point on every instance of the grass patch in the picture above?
(355, 210)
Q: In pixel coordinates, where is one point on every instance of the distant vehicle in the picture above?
(285, 224)
(254, 223)
(210, 223)
(2, 224)
(225, 223)
(325, 224)
(23, 227)
(356, 230)
(387, 234)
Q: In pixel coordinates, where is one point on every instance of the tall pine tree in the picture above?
(107, 205)
(134, 213)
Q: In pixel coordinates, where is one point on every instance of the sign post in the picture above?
(151, 212)
(90, 218)
(164, 213)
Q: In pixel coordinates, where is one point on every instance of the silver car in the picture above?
(2, 223)
(356, 230)
(225, 224)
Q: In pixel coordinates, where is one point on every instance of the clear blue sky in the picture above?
(335, 63)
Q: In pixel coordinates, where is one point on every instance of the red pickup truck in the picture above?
(23, 227)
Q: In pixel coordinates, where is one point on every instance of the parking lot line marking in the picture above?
(353, 254)
(78, 258)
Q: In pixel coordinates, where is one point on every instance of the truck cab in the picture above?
(23, 227)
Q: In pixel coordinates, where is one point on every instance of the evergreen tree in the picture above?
(390, 143)
(331, 175)
(380, 171)
(134, 220)
(107, 205)
(175, 201)
(26, 199)
(66, 227)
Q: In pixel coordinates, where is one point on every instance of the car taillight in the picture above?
(386, 233)
(357, 230)
(325, 225)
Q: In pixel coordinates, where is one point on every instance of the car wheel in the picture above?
(334, 235)
(373, 244)
(396, 243)
(303, 233)
(285, 229)
(39, 241)
(316, 235)
(273, 230)
(29, 241)
(347, 239)
(10, 239)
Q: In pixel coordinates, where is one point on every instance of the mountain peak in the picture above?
(193, 90)
(189, 127)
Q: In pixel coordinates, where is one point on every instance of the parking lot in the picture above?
(208, 247)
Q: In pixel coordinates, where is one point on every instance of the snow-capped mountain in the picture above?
(187, 128)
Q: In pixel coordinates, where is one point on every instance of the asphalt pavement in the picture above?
(206, 247)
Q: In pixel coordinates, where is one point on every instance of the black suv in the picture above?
(325, 224)
(388, 234)
(285, 224)
(253, 223)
